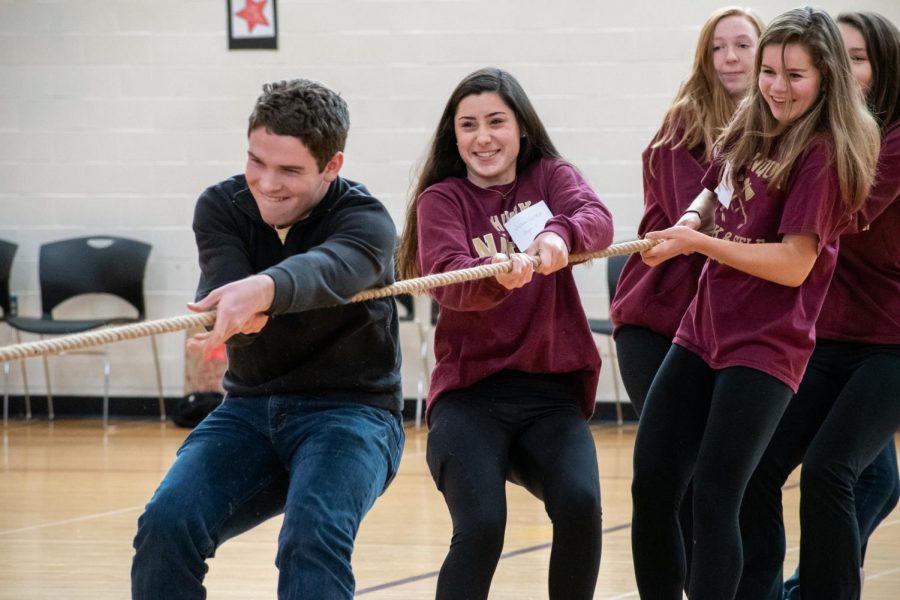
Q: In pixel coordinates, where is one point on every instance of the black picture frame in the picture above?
(238, 39)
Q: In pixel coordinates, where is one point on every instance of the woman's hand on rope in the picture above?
(675, 241)
(521, 273)
(240, 308)
(552, 251)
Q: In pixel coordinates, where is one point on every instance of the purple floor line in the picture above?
(430, 574)
(510, 554)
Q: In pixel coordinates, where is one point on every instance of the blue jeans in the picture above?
(320, 462)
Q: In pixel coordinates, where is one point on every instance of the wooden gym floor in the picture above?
(70, 495)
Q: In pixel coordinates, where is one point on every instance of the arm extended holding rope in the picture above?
(415, 286)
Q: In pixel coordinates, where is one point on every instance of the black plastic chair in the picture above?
(7, 253)
(407, 314)
(614, 265)
(90, 265)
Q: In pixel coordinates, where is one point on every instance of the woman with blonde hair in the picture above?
(650, 302)
(795, 162)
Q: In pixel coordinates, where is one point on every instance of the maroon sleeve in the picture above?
(812, 201)
(710, 179)
(580, 218)
(886, 190)
(672, 178)
(444, 246)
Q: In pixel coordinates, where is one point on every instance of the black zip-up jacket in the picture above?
(315, 343)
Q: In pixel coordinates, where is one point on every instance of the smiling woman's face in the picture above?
(789, 88)
(487, 137)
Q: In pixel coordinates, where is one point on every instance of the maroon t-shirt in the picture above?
(863, 302)
(485, 328)
(737, 319)
(657, 297)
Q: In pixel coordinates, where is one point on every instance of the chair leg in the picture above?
(159, 385)
(24, 380)
(25, 386)
(50, 413)
(5, 393)
(422, 385)
(105, 392)
(615, 378)
(419, 402)
(6, 390)
(6, 372)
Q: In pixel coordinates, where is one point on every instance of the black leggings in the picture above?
(640, 352)
(713, 426)
(527, 429)
(846, 411)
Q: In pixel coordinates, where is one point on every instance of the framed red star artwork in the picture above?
(252, 24)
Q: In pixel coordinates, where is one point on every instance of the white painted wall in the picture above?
(115, 114)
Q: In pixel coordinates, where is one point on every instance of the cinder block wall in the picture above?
(115, 114)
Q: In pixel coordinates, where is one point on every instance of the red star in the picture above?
(253, 14)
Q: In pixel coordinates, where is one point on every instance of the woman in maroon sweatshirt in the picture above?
(516, 366)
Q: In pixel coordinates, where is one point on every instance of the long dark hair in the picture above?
(882, 40)
(443, 159)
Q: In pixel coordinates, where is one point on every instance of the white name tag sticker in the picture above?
(526, 225)
(724, 191)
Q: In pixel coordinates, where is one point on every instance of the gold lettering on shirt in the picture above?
(748, 190)
(490, 244)
(762, 168)
(487, 245)
(499, 221)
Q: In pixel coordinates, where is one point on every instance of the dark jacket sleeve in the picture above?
(221, 244)
(357, 254)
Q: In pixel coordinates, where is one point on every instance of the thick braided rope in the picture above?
(107, 335)
(418, 285)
